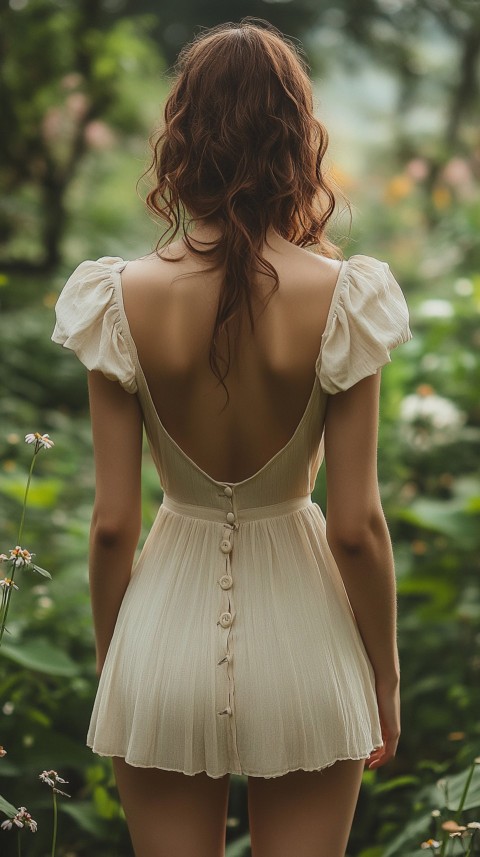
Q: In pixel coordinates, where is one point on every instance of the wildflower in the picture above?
(430, 843)
(435, 813)
(40, 440)
(436, 308)
(475, 825)
(7, 583)
(453, 826)
(3, 752)
(430, 420)
(21, 819)
(20, 556)
(51, 778)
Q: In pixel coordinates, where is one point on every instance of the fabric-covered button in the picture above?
(226, 619)
(225, 546)
(226, 581)
(227, 491)
(226, 710)
(230, 517)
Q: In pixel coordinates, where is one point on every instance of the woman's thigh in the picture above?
(170, 814)
(305, 813)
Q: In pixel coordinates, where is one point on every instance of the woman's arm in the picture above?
(116, 521)
(359, 539)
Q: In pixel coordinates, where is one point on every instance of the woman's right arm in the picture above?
(359, 539)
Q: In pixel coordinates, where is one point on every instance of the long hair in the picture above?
(241, 148)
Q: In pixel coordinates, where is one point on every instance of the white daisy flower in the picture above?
(21, 556)
(8, 583)
(40, 440)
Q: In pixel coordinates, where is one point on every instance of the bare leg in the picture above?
(170, 814)
(306, 813)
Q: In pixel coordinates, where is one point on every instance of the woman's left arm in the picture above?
(116, 521)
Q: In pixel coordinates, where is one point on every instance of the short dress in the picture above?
(236, 649)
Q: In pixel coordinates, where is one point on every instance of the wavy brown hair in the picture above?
(241, 148)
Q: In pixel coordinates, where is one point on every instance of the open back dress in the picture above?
(236, 649)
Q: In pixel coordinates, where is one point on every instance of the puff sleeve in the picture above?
(368, 318)
(89, 321)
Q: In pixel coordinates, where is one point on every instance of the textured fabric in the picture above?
(236, 648)
(88, 322)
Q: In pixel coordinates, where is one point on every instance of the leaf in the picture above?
(376, 851)
(86, 817)
(455, 784)
(397, 782)
(43, 494)
(41, 656)
(7, 807)
(105, 805)
(413, 834)
(239, 848)
(42, 571)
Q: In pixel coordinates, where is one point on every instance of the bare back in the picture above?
(272, 371)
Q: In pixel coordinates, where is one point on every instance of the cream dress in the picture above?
(236, 648)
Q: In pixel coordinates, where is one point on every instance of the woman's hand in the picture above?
(388, 700)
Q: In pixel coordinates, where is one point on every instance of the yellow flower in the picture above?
(441, 198)
(398, 187)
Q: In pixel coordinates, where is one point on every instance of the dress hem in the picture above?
(241, 772)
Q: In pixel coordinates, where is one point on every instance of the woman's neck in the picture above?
(202, 230)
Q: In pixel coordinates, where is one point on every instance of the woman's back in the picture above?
(272, 370)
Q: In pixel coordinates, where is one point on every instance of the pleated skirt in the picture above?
(244, 659)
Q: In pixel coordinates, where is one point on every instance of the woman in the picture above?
(250, 636)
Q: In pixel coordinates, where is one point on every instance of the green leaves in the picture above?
(7, 807)
(40, 656)
(451, 790)
(41, 571)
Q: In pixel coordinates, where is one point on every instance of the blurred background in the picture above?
(82, 85)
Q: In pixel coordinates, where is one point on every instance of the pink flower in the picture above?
(21, 819)
(51, 778)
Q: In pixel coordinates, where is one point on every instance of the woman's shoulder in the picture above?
(368, 318)
(89, 319)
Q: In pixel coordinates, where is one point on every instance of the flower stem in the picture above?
(54, 839)
(470, 846)
(6, 603)
(464, 793)
(19, 845)
(7, 594)
(22, 519)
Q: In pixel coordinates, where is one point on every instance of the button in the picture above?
(227, 491)
(230, 517)
(226, 581)
(225, 546)
(226, 619)
(226, 710)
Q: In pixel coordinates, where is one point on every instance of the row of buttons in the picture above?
(226, 582)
